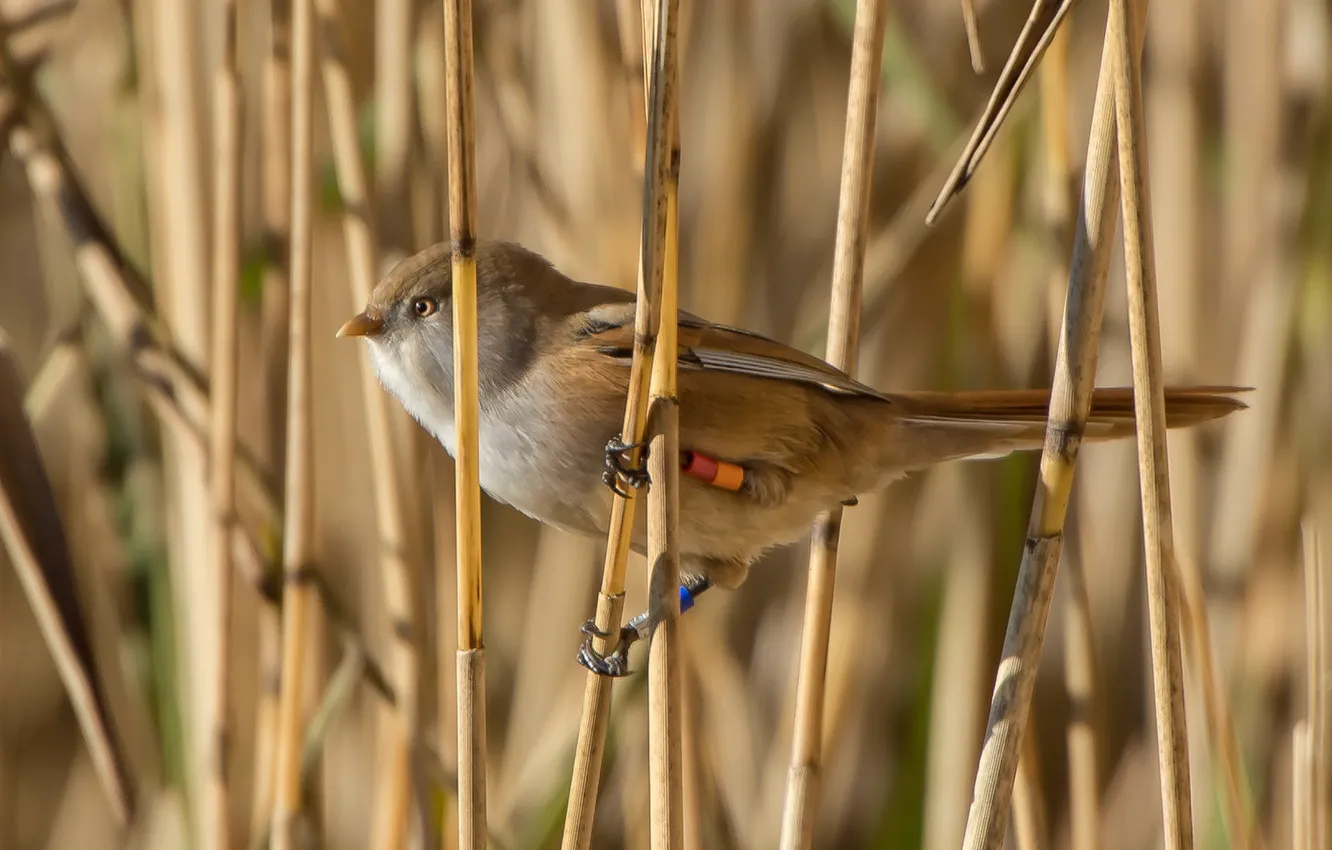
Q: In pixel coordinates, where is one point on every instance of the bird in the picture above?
(770, 436)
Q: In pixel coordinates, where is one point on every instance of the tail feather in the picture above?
(994, 423)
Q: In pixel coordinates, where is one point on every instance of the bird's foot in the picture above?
(619, 473)
(616, 663)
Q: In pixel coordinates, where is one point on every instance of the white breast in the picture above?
(507, 451)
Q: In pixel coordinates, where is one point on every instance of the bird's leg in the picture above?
(616, 664)
(618, 469)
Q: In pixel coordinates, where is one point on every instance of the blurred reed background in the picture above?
(109, 110)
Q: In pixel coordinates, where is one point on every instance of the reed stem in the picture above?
(459, 77)
(802, 787)
(393, 784)
(1070, 402)
(661, 85)
(1317, 737)
(32, 532)
(665, 709)
(298, 537)
(1149, 414)
(227, 128)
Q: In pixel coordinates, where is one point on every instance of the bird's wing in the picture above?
(704, 345)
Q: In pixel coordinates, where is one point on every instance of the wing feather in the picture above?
(704, 345)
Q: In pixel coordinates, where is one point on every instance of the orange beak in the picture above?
(362, 324)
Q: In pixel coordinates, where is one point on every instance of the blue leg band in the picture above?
(686, 599)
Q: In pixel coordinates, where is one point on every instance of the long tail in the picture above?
(935, 427)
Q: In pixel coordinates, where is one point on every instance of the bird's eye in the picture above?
(424, 307)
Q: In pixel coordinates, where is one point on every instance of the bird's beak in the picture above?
(362, 324)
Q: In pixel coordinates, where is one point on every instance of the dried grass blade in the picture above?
(1041, 26)
(32, 531)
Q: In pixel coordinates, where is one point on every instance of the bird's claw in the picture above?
(616, 663)
(592, 630)
(618, 471)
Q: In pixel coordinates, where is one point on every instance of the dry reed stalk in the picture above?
(1080, 680)
(169, 389)
(275, 212)
(1302, 802)
(471, 682)
(1164, 614)
(630, 22)
(1040, 29)
(298, 533)
(1075, 373)
(973, 36)
(1079, 632)
(1241, 830)
(1029, 819)
(393, 784)
(33, 533)
(178, 196)
(1318, 655)
(661, 85)
(800, 806)
(172, 388)
(665, 649)
(393, 127)
(227, 127)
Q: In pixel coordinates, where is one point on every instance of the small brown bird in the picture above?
(770, 436)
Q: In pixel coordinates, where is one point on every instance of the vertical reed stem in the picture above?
(1070, 401)
(665, 756)
(1319, 670)
(393, 784)
(275, 139)
(227, 128)
(1149, 414)
(661, 84)
(472, 830)
(843, 338)
(297, 561)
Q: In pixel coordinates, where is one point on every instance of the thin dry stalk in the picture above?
(275, 210)
(1079, 642)
(1149, 413)
(1242, 831)
(1042, 24)
(175, 134)
(227, 127)
(1317, 631)
(1029, 820)
(393, 126)
(1080, 681)
(1075, 374)
(298, 537)
(595, 718)
(665, 741)
(32, 532)
(802, 786)
(175, 391)
(394, 783)
(629, 19)
(1301, 837)
(459, 78)
(973, 36)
